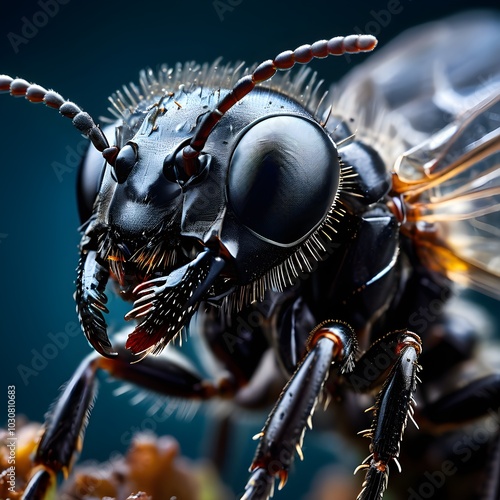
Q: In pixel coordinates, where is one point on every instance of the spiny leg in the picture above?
(392, 407)
(284, 430)
(66, 422)
(63, 432)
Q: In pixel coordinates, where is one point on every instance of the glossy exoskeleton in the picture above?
(261, 217)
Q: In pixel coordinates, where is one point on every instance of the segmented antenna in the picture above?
(337, 46)
(284, 61)
(81, 120)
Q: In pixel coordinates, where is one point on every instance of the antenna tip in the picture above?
(366, 43)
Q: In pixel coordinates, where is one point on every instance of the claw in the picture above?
(360, 467)
(260, 486)
(139, 289)
(41, 486)
(138, 312)
(90, 299)
(167, 308)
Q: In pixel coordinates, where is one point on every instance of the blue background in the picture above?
(85, 52)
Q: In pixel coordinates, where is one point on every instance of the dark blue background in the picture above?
(85, 52)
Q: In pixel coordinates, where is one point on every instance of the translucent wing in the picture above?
(431, 107)
(450, 186)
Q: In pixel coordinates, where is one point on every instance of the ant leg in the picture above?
(397, 352)
(66, 422)
(475, 400)
(284, 430)
(64, 429)
(480, 398)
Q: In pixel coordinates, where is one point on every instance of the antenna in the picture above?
(81, 120)
(337, 46)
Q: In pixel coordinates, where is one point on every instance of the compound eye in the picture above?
(125, 161)
(283, 178)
